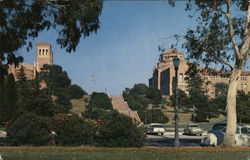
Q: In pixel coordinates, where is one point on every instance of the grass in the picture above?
(78, 105)
(91, 153)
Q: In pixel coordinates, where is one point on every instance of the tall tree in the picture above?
(243, 107)
(32, 99)
(56, 79)
(222, 36)
(11, 98)
(198, 100)
(22, 20)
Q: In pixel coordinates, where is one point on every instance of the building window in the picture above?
(40, 52)
(206, 78)
(46, 52)
(245, 85)
(243, 78)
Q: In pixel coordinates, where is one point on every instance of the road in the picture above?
(167, 140)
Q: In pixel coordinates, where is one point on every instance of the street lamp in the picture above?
(176, 61)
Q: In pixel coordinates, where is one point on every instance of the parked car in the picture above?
(217, 127)
(155, 128)
(215, 137)
(193, 129)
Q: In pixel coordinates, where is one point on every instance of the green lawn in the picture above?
(89, 153)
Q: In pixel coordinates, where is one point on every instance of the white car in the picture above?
(155, 128)
(192, 129)
(242, 137)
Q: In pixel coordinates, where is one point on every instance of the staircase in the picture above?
(121, 106)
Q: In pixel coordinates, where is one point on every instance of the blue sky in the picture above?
(125, 48)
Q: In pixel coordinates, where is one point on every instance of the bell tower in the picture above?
(44, 55)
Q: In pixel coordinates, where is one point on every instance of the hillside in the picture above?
(79, 105)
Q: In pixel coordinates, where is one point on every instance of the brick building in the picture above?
(44, 55)
(163, 75)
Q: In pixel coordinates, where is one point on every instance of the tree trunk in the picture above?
(229, 139)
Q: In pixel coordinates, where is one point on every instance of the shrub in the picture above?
(152, 116)
(117, 130)
(29, 129)
(72, 130)
(74, 92)
(100, 100)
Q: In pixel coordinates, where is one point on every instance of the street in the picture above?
(167, 140)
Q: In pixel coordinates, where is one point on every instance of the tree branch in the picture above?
(246, 40)
(220, 60)
(223, 62)
(231, 30)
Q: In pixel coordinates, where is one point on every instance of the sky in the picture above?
(125, 49)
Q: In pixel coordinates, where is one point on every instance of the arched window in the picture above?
(40, 52)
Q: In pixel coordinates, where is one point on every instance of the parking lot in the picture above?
(167, 140)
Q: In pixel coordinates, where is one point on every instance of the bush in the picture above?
(72, 130)
(100, 100)
(152, 116)
(74, 92)
(29, 129)
(94, 113)
(117, 130)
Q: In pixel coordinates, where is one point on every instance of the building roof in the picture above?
(27, 66)
(172, 51)
(43, 43)
(224, 73)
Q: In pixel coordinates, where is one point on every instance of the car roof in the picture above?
(155, 124)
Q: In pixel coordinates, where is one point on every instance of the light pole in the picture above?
(176, 62)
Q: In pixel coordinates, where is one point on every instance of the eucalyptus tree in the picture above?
(222, 36)
(22, 20)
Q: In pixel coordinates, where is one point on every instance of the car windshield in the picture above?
(219, 126)
(245, 130)
(193, 125)
(157, 126)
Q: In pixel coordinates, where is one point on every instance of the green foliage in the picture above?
(198, 99)
(29, 129)
(243, 107)
(221, 96)
(33, 99)
(22, 21)
(154, 94)
(135, 97)
(136, 102)
(100, 100)
(152, 116)
(139, 97)
(94, 113)
(56, 79)
(74, 92)
(210, 42)
(138, 89)
(8, 96)
(62, 103)
(117, 130)
(183, 100)
(72, 130)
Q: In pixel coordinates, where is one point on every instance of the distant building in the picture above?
(44, 55)
(164, 73)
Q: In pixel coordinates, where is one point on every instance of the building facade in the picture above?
(164, 73)
(44, 55)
